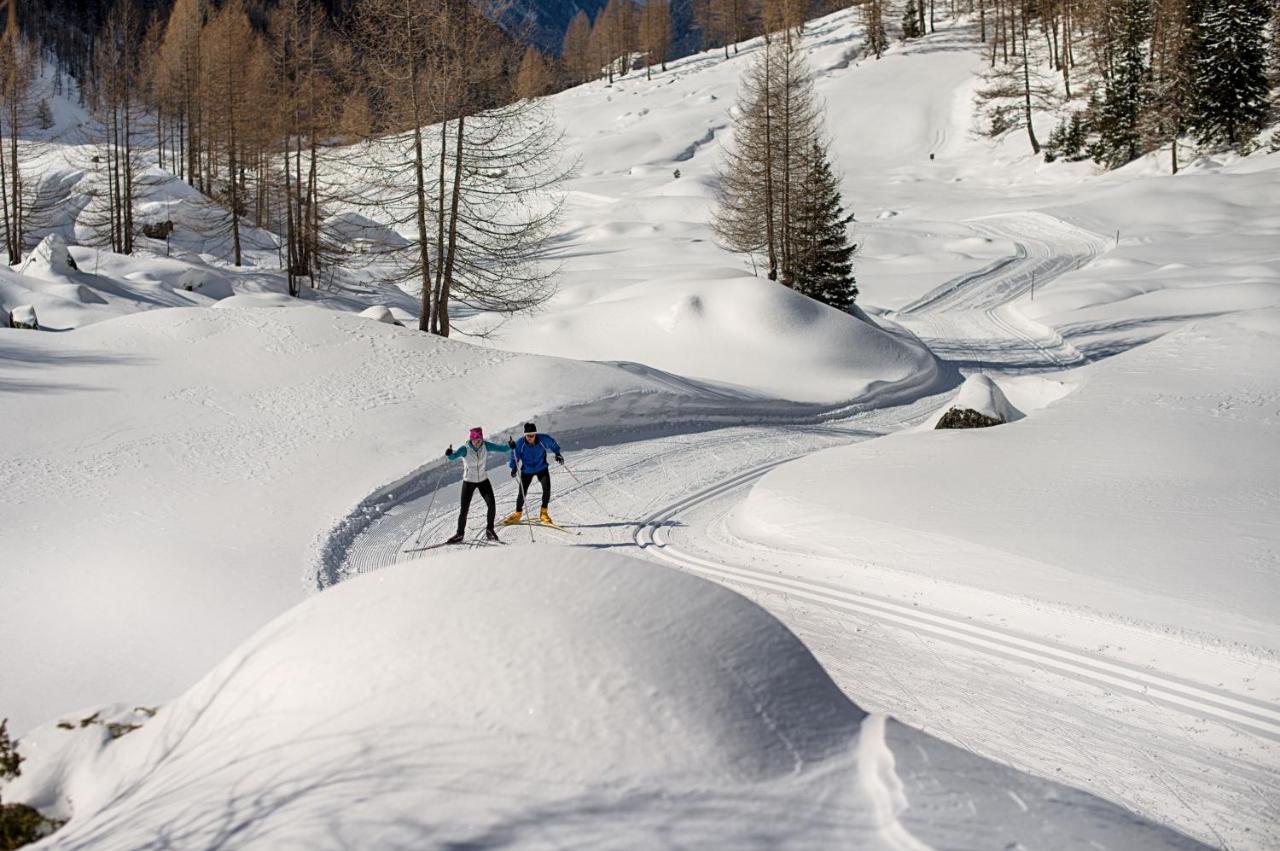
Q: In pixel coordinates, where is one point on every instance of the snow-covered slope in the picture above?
(1148, 494)
(564, 699)
(170, 475)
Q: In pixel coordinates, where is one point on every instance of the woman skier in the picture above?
(475, 456)
(530, 455)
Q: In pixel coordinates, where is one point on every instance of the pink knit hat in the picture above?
(477, 433)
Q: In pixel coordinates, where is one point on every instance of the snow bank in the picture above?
(569, 698)
(980, 393)
(1148, 494)
(743, 331)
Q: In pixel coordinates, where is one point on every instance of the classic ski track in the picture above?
(1044, 249)
(1255, 716)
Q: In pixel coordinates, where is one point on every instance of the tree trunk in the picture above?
(442, 307)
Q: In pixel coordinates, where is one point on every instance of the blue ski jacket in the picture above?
(533, 457)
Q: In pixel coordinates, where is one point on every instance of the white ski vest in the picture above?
(474, 463)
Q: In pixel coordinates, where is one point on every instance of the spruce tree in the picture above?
(1127, 89)
(1229, 72)
(911, 21)
(822, 261)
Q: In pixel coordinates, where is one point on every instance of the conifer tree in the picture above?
(533, 78)
(1126, 92)
(777, 197)
(1229, 72)
(575, 50)
(911, 20)
(655, 34)
(822, 261)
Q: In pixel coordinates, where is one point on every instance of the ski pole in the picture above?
(524, 499)
(607, 512)
(417, 541)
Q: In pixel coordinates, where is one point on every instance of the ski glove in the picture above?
(511, 443)
(448, 451)
(559, 458)
(513, 474)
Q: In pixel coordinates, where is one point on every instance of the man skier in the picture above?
(530, 456)
(475, 455)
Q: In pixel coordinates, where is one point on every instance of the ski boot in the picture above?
(491, 535)
(456, 539)
(545, 517)
(513, 518)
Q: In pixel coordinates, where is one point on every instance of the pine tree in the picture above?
(822, 261)
(911, 20)
(777, 121)
(1126, 92)
(1229, 72)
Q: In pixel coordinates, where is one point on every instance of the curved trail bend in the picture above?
(1189, 754)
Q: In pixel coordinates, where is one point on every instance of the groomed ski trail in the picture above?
(972, 320)
(1047, 707)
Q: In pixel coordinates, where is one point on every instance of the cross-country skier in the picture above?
(530, 456)
(475, 455)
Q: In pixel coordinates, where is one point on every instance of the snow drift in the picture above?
(1176, 438)
(570, 698)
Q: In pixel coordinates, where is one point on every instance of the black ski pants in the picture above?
(486, 491)
(526, 479)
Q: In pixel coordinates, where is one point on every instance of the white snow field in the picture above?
(1087, 596)
(565, 699)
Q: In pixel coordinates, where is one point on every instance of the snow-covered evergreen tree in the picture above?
(1229, 72)
(822, 260)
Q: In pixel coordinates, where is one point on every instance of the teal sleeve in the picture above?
(458, 453)
(495, 447)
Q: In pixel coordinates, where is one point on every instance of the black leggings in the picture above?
(526, 479)
(486, 491)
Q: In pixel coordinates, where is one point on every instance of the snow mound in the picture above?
(379, 313)
(49, 257)
(568, 697)
(251, 300)
(741, 331)
(979, 393)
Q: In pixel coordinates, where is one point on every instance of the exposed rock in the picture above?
(967, 418)
(157, 230)
(23, 316)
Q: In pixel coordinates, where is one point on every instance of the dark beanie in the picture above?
(530, 428)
